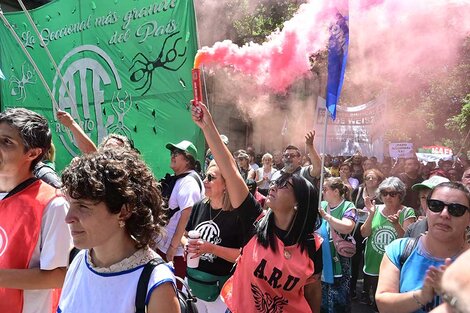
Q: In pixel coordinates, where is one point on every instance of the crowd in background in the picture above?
(264, 242)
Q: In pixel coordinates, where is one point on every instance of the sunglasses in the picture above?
(210, 177)
(281, 184)
(371, 178)
(392, 194)
(290, 155)
(176, 152)
(455, 209)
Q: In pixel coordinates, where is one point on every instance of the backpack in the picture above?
(167, 184)
(186, 300)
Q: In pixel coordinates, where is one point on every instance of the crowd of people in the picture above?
(83, 239)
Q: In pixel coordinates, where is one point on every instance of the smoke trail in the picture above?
(389, 39)
(285, 55)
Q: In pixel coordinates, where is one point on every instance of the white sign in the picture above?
(401, 150)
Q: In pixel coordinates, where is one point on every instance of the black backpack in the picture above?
(186, 300)
(167, 184)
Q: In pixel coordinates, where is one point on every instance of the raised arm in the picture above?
(315, 168)
(84, 143)
(236, 187)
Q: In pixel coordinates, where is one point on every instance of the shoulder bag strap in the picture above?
(409, 247)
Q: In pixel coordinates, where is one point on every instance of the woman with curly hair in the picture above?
(115, 210)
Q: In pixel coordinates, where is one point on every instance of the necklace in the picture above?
(210, 215)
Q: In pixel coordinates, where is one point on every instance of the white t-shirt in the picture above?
(185, 193)
(86, 290)
(51, 251)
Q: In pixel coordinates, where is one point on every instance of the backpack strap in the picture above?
(142, 285)
(409, 247)
(185, 301)
(197, 178)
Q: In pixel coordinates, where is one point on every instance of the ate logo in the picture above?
(3, 241)
(88, 74)
(210, 232)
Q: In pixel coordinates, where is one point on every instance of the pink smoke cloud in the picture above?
(389, 39)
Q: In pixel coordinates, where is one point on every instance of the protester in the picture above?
(292, 159)
(410, 177)
(278, 164)
(372, 179)
(34, 239)
(339, 215)
(225, 222)
(187, 190)
(424, 189)
(385, 223)
(345, 172)
(115, 210)
(279, 268)
(264, 174)
(414, 284)
(243, 161)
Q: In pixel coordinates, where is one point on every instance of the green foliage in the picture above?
(255, 20)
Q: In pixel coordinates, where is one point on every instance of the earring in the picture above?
(122, 223)
(295, 207)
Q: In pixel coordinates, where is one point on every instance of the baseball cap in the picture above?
(430, 183)
(184, 145)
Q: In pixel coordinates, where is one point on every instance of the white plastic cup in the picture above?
(193, 236)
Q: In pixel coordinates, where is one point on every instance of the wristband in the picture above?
(417, 300)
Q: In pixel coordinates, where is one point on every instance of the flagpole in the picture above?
(43, 44)
(20, 43)
(322, 173)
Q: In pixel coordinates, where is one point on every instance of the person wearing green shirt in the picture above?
(385, 223)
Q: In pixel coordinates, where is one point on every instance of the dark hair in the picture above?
(337, 183)
(33, 129)
(452, 185)
(125, 142)
(305, 221)
(117, 177)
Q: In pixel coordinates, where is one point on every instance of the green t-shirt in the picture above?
(382, 234)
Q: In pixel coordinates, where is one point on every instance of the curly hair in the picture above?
(118, 177)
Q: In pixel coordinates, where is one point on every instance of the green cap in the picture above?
(184, 145)
(430, 183)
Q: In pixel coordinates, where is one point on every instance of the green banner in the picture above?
(126, 66)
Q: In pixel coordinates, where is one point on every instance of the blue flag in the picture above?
(337, 57)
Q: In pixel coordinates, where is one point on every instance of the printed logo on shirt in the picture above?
(265, 303)
(383, 236)
(210, 232)
(3, 241)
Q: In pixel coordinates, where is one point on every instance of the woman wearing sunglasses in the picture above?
(385, 223)
(415, 285)
(339, 215)
(279, 267)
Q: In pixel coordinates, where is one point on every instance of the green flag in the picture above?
(126, 68)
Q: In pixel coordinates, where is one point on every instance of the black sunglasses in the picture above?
(455, 209)
(389, 193)
(176, 152)
(280, 184)
(210, 177)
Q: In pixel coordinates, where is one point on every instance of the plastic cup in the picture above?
(193, 235)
